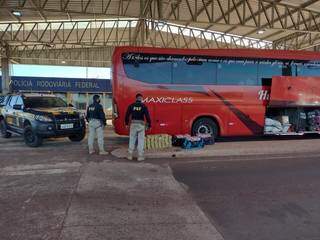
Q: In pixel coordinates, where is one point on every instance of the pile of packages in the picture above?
(273, 126)
(158, 141)
(188, 142)
(314, 120)
(295, 120)
(161, 141)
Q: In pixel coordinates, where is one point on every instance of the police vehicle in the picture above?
(39, 116)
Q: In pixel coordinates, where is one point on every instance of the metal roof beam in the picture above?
(288, 16)
(280, 14)
(75, 32)
(296, 37)
(73, 55)
(195, 36)
(40, 12)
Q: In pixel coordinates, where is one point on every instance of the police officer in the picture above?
(138, 113)
(97, 122)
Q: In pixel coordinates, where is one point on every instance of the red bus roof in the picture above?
(239, 52)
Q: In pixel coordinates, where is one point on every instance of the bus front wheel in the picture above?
(205, 126)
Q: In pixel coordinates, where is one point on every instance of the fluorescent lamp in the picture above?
(17, 13)
(261, 31)
(49, 45)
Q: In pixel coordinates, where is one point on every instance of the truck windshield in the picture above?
(44, 102)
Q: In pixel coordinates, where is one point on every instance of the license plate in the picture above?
(66, 126)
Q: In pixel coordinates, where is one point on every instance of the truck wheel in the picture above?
(205, 126)
(78, 137)
(3, 129)
(31, 138)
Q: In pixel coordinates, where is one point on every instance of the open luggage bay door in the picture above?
(295, 92)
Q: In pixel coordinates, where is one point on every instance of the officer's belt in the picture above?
(138, 121)
(95, 119)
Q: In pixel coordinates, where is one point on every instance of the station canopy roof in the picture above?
(84, 32)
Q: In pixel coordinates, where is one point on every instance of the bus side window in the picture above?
(266, 70)
(237, 74)
(154, 72)
(196, 72)
(311, 70)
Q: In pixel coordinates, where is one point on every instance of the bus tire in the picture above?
(205, 126)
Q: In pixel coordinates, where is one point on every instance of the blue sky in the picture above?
(59, 71)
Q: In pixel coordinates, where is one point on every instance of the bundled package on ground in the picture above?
(158, 141)
(181, 140)
(177, 140)
(207, 138)
(193, 143)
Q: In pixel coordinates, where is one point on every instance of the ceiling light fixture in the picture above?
(17, 13)
(261, 31)
(63, 61)
(49, 45)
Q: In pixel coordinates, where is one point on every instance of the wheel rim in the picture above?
(29, 136)
(204, 129)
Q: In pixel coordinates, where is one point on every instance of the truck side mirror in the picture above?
(17, 107)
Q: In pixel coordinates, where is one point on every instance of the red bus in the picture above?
(225, 92)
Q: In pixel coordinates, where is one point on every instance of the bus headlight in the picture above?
(42, 118)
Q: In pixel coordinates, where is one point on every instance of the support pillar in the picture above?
(5, 69)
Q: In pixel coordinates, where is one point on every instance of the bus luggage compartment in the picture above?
(294, 105)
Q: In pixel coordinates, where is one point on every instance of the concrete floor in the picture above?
(274, 197)
(234, 147)
(59, 192)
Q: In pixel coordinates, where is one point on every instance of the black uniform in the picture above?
(138, 111)
(95, 111)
